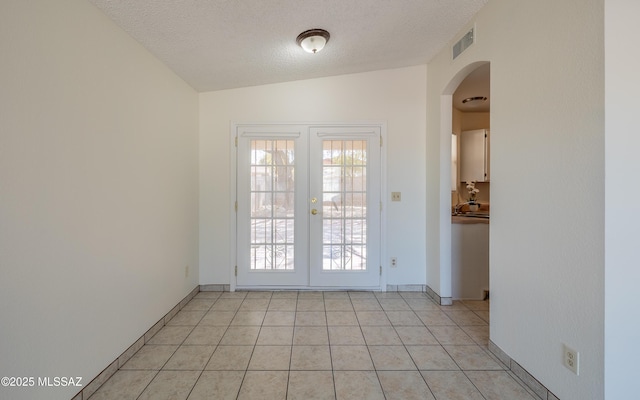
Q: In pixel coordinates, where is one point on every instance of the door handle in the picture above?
(314, 211)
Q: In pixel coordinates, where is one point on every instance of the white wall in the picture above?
(547, 139)
(98, 192)
(395, 96)
(475, 120)
(621, 224)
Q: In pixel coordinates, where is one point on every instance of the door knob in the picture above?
(314, 211)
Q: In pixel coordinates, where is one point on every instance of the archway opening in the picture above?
(453, 191)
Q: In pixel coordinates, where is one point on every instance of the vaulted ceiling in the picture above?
(223, 44)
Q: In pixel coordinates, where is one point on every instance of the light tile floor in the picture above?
(318, 345)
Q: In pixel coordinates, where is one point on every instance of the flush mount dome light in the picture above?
(474, 101)
(313, 40)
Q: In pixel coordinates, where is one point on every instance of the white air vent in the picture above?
(463, 44)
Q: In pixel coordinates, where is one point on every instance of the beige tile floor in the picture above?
(318, 345)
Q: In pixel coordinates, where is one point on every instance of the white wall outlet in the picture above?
(186, 271)
(394, 262)
(396, 196)
(571, 359)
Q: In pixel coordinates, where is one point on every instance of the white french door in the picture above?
(344, 234)
(308, 206)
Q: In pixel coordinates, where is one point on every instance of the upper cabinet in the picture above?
(474, 156)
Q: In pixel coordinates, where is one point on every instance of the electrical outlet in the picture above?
(571, 359)
(186, 271)
(396, 196)
(394, 262)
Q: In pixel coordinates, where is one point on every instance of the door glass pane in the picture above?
(344, 222)
(272, 204)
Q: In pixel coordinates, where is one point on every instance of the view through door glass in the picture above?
(272, 204)
(271, 216)
(344, 195)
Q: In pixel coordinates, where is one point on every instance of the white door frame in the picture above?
(233, 193)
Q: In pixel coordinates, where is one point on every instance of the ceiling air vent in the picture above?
(463, 44)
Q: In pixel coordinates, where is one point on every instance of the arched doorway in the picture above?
(445, 192)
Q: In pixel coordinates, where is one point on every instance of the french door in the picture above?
(308, 206)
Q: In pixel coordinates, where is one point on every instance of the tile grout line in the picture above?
(333, 375)
(407, 350)
(286, 392)
(214, 350)
(365, 341)
(246, 369)
(401, 320)
(117, 362)
(177, 348)
(165, 363)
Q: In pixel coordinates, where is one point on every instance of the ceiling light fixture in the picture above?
(313, 40)
(474, 100)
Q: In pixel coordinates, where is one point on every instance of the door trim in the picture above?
(234, 125)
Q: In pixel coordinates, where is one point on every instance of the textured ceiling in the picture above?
(222, 44)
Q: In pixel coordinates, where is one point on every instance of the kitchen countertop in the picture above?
(485, 209)
(460, 219)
